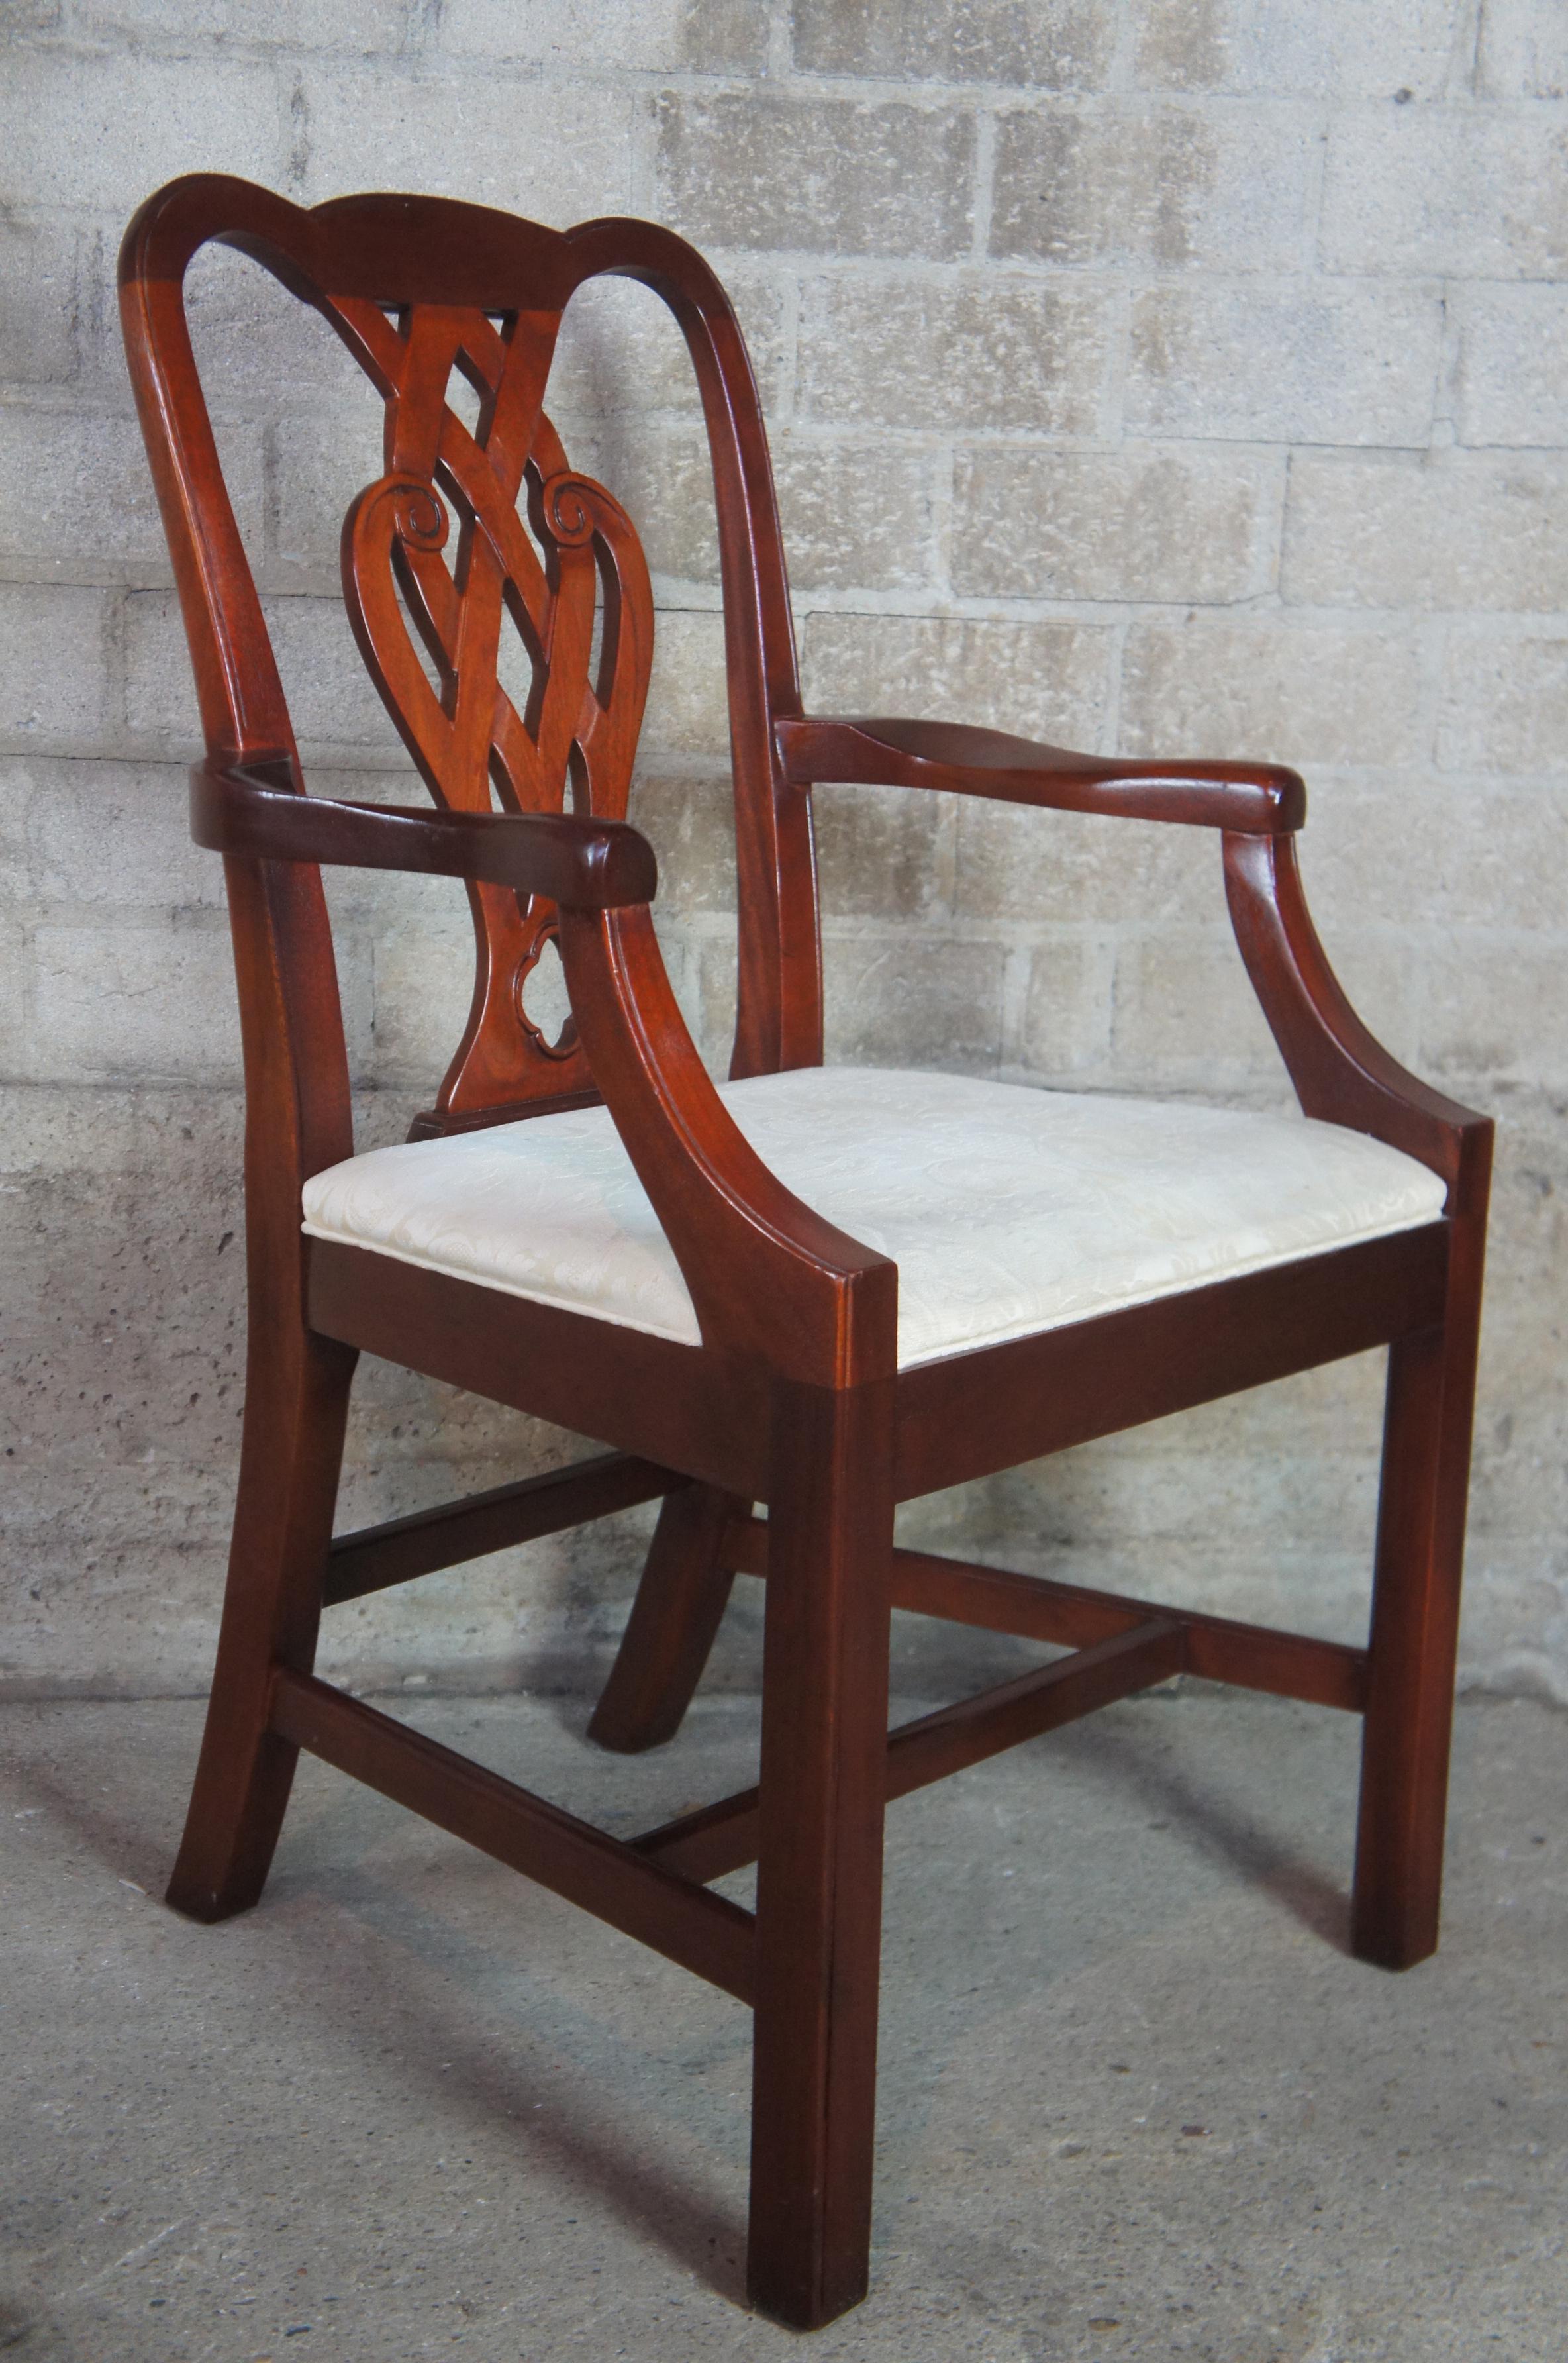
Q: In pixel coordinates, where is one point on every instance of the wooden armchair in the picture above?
(821, 1291)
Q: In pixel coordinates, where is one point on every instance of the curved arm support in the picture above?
(769, 1278)
(1339, 1071)
(1259, 799)
(250, 809)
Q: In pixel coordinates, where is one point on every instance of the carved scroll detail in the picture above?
(436, 552)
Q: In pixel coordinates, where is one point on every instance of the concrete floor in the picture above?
(1136, 2101)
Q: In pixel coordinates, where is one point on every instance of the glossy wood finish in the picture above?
(296, 1405)
(403, 1548)
(818, 1852)
(249, 809)
(705, 1415)
(465, 533)
(721, 1837)
(673, 1624)
(702, 1932)
(1263, 799)
(969, 1415)
(1041, 1608)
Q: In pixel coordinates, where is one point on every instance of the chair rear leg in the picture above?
(1414, 1645)
(819, 1881)
(295, 1409)
(674, 1619)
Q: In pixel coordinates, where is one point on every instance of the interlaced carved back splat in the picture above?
(437, 547)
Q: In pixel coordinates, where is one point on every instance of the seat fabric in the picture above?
(1007, 1210)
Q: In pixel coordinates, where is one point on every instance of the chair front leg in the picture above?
(1415, 1640)
(296, 1406)
(824, 1778)
(681, 1598)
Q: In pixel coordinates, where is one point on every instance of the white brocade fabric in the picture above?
(1007, 1210)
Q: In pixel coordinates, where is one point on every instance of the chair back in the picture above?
(472, 533)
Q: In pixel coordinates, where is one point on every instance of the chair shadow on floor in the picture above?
(132, 1846)
(622, 2167)
(1243, 1845)
(688, 2220)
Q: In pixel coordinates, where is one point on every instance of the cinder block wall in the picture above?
(1182, 375)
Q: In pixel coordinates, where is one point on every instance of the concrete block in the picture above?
(122, 1235)
(1306, 362)
(116, 833)
(421, 954)
(1525, 1317)
(18, 790)
(687, 710)
(1405, 51)
(104, 129)
(856, 516)
(1382, 977)
(560, 154)
(80, 492)
(1042, 45)
(664, 481)
(1426, 530)
(160, 694)
(16, 968)
(709, 1002)
(115, 1003)
(1505, 704)
(691, 824)
(1134, 524)
(332, 700)
(620, 348)
(1481, 193)
(1117, 1497)
(968, 353)
(1055, 869)
(821, 176)
(639, 35)
(885, 852)
(370, 28)
(1065, 1032)
(38, 299)
(319, 461)
(54, 648)
(1186, 1017)
(1523, 49)
(1042, 681)
(1152, 187)
(261, 351)
(904, 1001)
(1275, 690)
(1393, 853)
(1513, 365)
(1491, 1017)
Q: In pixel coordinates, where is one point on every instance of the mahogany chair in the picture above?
(822, 1293)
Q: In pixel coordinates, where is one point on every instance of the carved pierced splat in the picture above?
(438, 565)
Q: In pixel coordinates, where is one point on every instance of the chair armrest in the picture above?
(252, 808)
(771, 1280)
(1341, 1072)
(1258, 799)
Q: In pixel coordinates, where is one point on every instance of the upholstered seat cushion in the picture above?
(1007, 1210)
